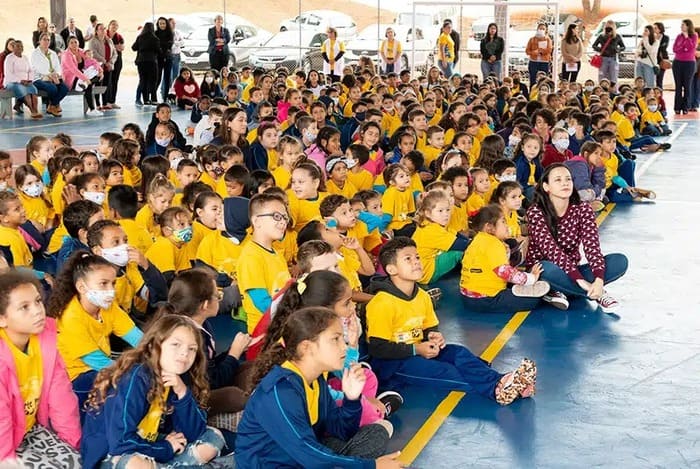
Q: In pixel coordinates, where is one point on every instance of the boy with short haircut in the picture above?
(229, 156)
(262, 271)
(235, 182)
(436, 141)
(619, 172)
(316, 255)
(628, 137)
(484, 128)
(418, 121)
(187, 172)
(13, 246)
(557, 151)
(123, 203)
(432, 113)
(406, 347)
(163, 116)
(652, 122)
(256, 97)
(168, 252)
(358, 176)
(78, 218)
(458, 177)
(107, 141)
(232, 96)
(206, 127)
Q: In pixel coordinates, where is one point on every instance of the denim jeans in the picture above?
(609, 69)
(488, 68)
(503, 302)
(615, 267)
(56, 92)
(446, 68)
(647, 72)
(174, 67)
(187, 458)
(20, 90)
(533, 67)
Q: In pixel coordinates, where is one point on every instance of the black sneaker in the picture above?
(665, 146)
(392, 400)
(556, 299)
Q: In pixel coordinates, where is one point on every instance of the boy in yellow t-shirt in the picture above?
(123, 208)
(398, 203)
(168, 252)
(357, 155)
(628, 137)
(12, 216)
(652, 121)
(436, 141)
(262, 271)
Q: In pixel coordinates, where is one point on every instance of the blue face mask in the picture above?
(184, 235)
(360, 116)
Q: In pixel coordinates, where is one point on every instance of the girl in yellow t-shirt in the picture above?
(128, 153)
(32, 194)
(39, 152)
(478, 190)
(148, 379)
(289, 152)
(486, 271)
(159, 197)
(306, 192)
(509, 196)
(439, 250)
(83, 303)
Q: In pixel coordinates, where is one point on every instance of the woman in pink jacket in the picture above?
(39, 422)
(78, 72)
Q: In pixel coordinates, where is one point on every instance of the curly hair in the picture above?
(148, 353)
(300, 325)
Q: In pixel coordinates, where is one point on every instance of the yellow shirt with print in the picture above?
(36, 208)
(30, 375)
(398, 320)
(363, 180)
(199, 232)
(12, 238)
(625, 132)
(431, 241)
(128, 289)
(303, 211)
(145, 218)
(446, 48)
(137, 235)
(474, 203)
(400, 205)
(282, 177)
(348, 190)
(348, 265)
(166, 256)
(148, 426)
(513, 222)
(259, 268)
(484, 254)
(220, 253)
(459, 219)
(80, 334)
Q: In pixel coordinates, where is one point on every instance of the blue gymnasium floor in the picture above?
(613, 391)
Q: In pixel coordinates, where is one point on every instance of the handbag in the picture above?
(665, 64)
(597, 60)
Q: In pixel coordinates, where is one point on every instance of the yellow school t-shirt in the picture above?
(220, 253)
(21, 255)
(611, 164)
(446, 47)
(287, 246)
(30, 375)
(431, 241)
(312, 392)
(145, 218)
(134, 177)
(36, 164)
(208, 180)
(304, 211)
(282, 177)
(259, 268)
(474, 203)
(137, 235)
(56, 241)
(80, 334)
(513, 223)
(348, 265)
(166, 256)
(148, 426)
(400, 205)
(625, 132)
(128, 289)
(57, 200)
(363, 180)
(36, 208)
(391, 123)
(199, 232)
(398, 320)
(348, 190)
(484, 254)
(459, 219)
(430, 154)
(649, 117)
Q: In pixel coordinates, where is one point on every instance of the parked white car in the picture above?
(320, 20)
(245, 38)
(284, 50)
(367, 43)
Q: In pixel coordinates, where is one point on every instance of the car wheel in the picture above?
(231, 61)
(404, 63)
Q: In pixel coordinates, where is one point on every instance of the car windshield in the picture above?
(288, 40)
(423, 20)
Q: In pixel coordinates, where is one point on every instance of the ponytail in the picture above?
(78, 265)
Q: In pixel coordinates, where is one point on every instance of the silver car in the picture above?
(285, 49)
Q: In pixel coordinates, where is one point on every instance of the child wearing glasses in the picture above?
(262, 271)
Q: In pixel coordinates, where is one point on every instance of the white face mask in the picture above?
(561, 144)
(653, 108)
(163, 142)
(508, 178)
(175, 162)
(309, 136)
(209, 80)
(3, 185)
(97, 197)
(621, 107)
(101, 298)
(335, 100)
(34, 190)
(540, 33)
(572, 131)
(118, 255)
(513, 140)
(588, 88)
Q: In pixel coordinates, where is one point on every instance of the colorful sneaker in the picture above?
(607, 303)
(392, 400)
(435, 294)
(536, 290)
(514, 384)
(557, 299)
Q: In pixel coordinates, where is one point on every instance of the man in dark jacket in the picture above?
(72, 31)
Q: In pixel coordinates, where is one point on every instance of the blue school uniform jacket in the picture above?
(522, 169)
(113, 428)
(276, 431)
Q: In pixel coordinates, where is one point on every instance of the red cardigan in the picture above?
(189, 89)
(551, 155)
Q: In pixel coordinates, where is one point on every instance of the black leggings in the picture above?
(87, 94)
(148, 80)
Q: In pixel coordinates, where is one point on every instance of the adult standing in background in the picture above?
(178, 44)
(684, 66)
(390, 51)
(90, 30)
(333, 51)
(72, 31)
(609, 45)
(454, 35)
(118, 41)
(219, 38)
(492, 47)
(446, 50)
(660, 31)
(18, 79)
(165, 38)
(48, 76)
(539, 50)
(57, 45)
(103, 51)
(571, 53)
(646, 54)
(42, 26)
(695, 102)
(147, 48)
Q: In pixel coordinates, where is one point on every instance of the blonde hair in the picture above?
(429, 202)
(159, 185)
(288, 141)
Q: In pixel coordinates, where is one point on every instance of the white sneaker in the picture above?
(94, 113)
(557, 299)
(536, 290)
(607, 303)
